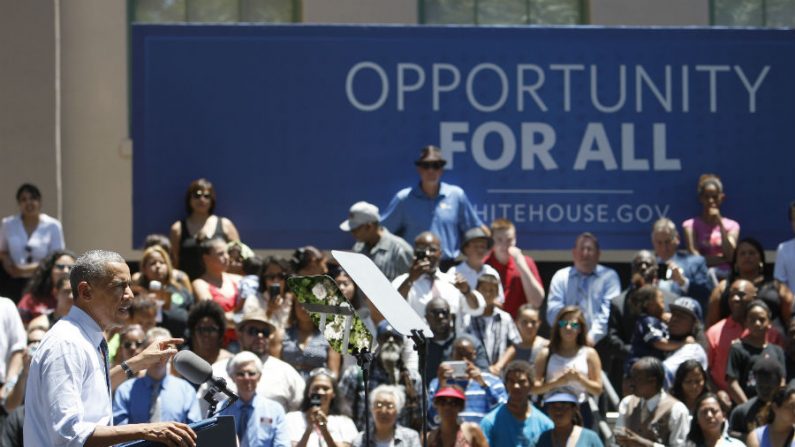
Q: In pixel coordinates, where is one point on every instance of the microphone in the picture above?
(197, 371)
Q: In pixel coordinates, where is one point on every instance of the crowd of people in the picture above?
(698, 345)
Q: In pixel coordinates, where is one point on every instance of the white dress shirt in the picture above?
(67, 394)
(14, 338)
(45, 239)
(679, 423)
(441, 285)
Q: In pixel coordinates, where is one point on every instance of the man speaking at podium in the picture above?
(68, 397)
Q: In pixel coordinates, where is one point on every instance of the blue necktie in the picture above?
(245, 414)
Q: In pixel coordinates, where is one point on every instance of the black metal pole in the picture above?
(420, 345)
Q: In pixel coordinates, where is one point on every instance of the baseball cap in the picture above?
(769, 366)
(385, 328)
(689, 305)
(449, 391)
(360, 214)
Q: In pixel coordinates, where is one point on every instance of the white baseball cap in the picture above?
(360, 214)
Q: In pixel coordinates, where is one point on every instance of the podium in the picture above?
(212, 432)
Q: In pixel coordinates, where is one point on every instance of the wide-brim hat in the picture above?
(477, 233)
(257, 315)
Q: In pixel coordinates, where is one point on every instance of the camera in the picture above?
(663, 272)
(315, 399)
(274, 290)
(421, 253)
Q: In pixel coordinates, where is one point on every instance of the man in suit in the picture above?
(684, 274)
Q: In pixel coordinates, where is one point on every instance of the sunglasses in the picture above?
(435, 165)
(448, 401)
(252, 331)
(321, 371)
(387, 405)
(132, 344)
(63, 267)
(200, 194)
(208, 330)
(246, 374)
(566, 323)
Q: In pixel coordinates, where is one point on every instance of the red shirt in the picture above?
(31, 307)
(719, 338)
(512, 281)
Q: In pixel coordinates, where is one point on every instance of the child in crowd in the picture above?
(528, 320)
(475, 247)
(650, 337)
(494, 329)
(748, 349)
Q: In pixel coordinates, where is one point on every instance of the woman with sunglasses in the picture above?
(452, 214)
(259, 421)
(449, 402)
(40, 296)
(304, 347)
(206, 328)
(201, 224)
(568, 361)
(386, 403)
(26, 239)
(324, 417)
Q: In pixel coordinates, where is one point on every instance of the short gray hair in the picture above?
(242, 358)
(665, 225)
(157, 333)
(91, 266)
(394, 390)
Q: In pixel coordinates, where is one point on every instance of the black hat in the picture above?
(767, 365)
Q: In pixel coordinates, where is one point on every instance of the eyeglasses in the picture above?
(566, 323)
(435, 165)
(63, 267)
(387, 405)
(246, 374)
(132, 344)
(252, 331)
(200, 194)
(448, 401)
(208, 330)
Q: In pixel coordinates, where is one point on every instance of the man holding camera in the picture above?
(484, 391)
(425, 281)
(680, 272)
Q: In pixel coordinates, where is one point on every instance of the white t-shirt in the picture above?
(472, 276)
(424, 290)
(342, 429)
(785, 263)
(14, 337)
(45, 239)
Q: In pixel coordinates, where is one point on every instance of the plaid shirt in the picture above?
(479, 400)
(495, 340)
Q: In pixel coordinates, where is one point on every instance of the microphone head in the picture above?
(192, 367)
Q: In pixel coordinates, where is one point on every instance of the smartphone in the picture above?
(662, 271)
(459, 368)
(274, 290)
(315, 399)
(420, 254)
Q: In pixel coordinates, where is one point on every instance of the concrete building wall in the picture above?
(96, 150)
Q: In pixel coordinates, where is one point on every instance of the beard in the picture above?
(390, 353)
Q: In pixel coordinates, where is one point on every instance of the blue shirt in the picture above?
(588, 438)
(648, 330)
(502, 429)
(266, 427)
(592, 293)
(448, 215)
(480, 400)
(178, 401)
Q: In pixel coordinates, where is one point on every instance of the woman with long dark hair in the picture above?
(779, 431)
(201, 224)
(324, 418)
(708, 426)
(39, 298)
(690, 383)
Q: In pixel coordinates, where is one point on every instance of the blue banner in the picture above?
(561, 130)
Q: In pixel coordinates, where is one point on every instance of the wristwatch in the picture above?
(127, 370)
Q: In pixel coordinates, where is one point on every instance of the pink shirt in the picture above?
(707, 238)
